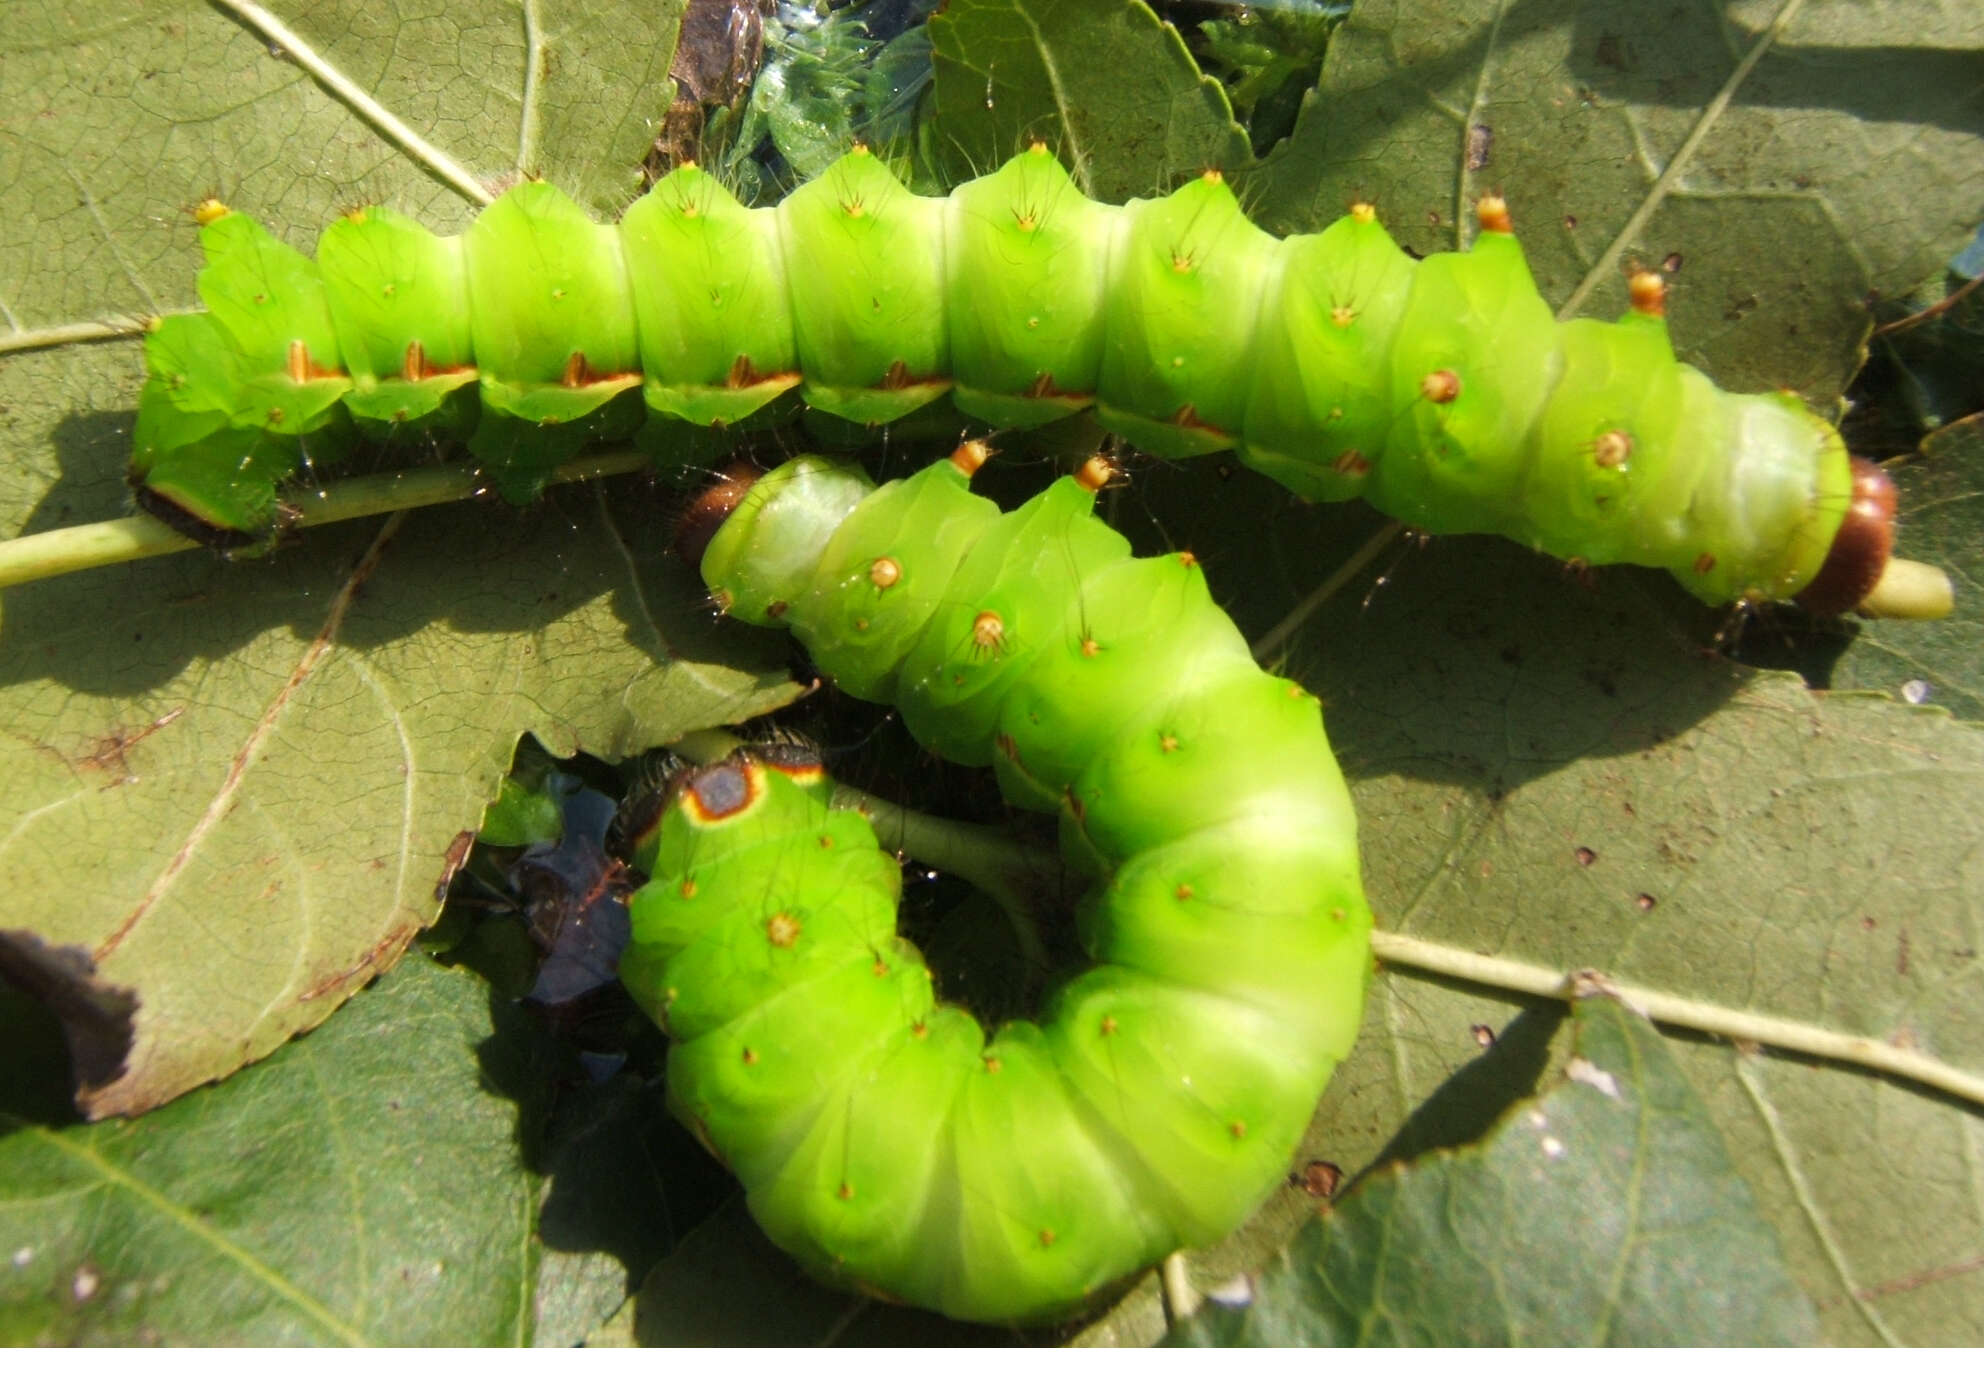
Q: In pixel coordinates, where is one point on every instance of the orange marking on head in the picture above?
(1109, 1025)
(1343, 316)
(846, 1191)
(1047, 1237)
(1182, 893)
(1492, 212)
(988, 630)
(1363, 212)
(782, 930)
(209, 211)
(750, 1056)
(1352, 463)
(688, 889)
(1187, 559)
(1238, 1129)
(919, 1030)
(796, 761)
(722, 790)
(1213, 176)
(1704, 563)
(992, 1064)
(1089, 647)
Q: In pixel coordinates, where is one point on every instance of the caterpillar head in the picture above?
(709, 509)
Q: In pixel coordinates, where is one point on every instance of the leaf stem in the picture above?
(82, 331)
(989, 861)
(1768, 1030)
(44, 555)
(297, 49)
(1271, 642)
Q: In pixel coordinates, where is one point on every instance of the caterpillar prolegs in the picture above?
(1442, 390)
(882, 1137)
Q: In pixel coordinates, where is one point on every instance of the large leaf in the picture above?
(236, 787)
(1750, 845)
(1603, 1211)
(361, 1188)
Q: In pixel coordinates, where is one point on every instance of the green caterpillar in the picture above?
(881, 1137)
(1442, 390)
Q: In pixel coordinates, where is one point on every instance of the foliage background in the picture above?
(234, 788)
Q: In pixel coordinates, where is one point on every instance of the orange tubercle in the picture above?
(1096, 473)
(969, 457)
(1492, 212)
(1649, 292)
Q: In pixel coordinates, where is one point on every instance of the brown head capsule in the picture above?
(709, 509)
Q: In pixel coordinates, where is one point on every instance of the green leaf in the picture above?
(521, 815)
(1603, 1211)
(242, 788)
(1557, 775)
(254, 737)
(1107, 86)
(360, 1188)
(1942, 523)
(1715, 136)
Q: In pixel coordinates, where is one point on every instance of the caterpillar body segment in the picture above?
(886, 1139)
(1442, 390)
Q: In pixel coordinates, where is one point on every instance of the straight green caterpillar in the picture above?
(884, 1138)
(1443, 391)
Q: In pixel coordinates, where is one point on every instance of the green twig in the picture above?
(43, 555)
(299, 51)
(1791, 1036)
(987, 860)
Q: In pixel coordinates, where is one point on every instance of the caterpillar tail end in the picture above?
(1909, 590)
(1861, 572)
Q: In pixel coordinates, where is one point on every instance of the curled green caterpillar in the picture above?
(882, 1137)
(1443, 390)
